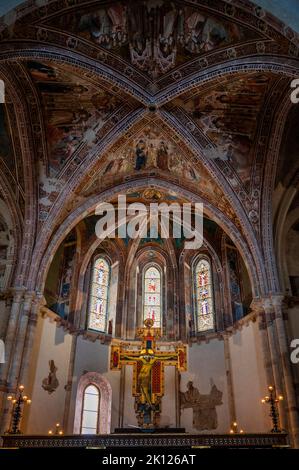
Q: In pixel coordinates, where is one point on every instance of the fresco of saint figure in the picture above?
(162, 156)
(141, 155)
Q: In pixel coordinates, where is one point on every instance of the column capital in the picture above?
(277, 300)
(262, 305)
(39, 302)
(256, 306)
(28, 298)
(18, 293)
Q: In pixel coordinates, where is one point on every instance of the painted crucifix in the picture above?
(148, 375)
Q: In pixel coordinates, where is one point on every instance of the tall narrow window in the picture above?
(98, 302)
(90, 410)
(204, 305)
(152, 295)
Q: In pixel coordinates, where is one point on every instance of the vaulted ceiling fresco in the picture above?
(71, 106)
(230, 116)
(154, 152)
(153, 36)
(194, 95)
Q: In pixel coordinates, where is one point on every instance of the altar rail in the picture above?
(147, 440)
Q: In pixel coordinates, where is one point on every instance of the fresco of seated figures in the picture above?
(70, 106)
(155, 36)
(230, 115)
(151, 152)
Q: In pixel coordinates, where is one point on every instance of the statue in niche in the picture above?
(51, 382)
(204, 406)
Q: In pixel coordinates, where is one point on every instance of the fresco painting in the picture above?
(229, 116)
(71, 105)
(6, 150)
(154, 36)
(150, 150)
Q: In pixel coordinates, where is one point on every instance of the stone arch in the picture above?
(209, 165)
(230, 67)
(7, 245)
(289, 219)
(44, 257)
(27, 152)
(269, 239)
(206, 72)
(105, 389)
(258, 63)
(280, 230)
(136, 115)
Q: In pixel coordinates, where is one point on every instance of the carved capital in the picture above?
(267, 305)
(277, 301)
(256, 307)
(18, 294)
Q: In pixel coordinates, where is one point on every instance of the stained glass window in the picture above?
(98, 302)
(152, 295)
(204, 305)
(90, 411)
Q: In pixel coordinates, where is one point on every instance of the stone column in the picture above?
(7, 298)
(10, 337)
(229, 379)
(275, 357)
(286, 369)
(68, 387)
(257, 308)
(10, 341)
(32, 323)
(20, 340)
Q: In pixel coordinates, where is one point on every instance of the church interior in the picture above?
(164, 102)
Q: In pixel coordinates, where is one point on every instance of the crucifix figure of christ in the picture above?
(148, 375)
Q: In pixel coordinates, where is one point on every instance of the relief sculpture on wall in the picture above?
(204, 406)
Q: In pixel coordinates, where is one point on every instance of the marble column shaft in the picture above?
(286, 369)
(275, 357)
(21, 334)
(10, 344)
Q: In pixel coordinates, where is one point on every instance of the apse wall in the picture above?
(47, 408)
(93, 357)
(207, 370)
(206, 366)
(249, 380)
